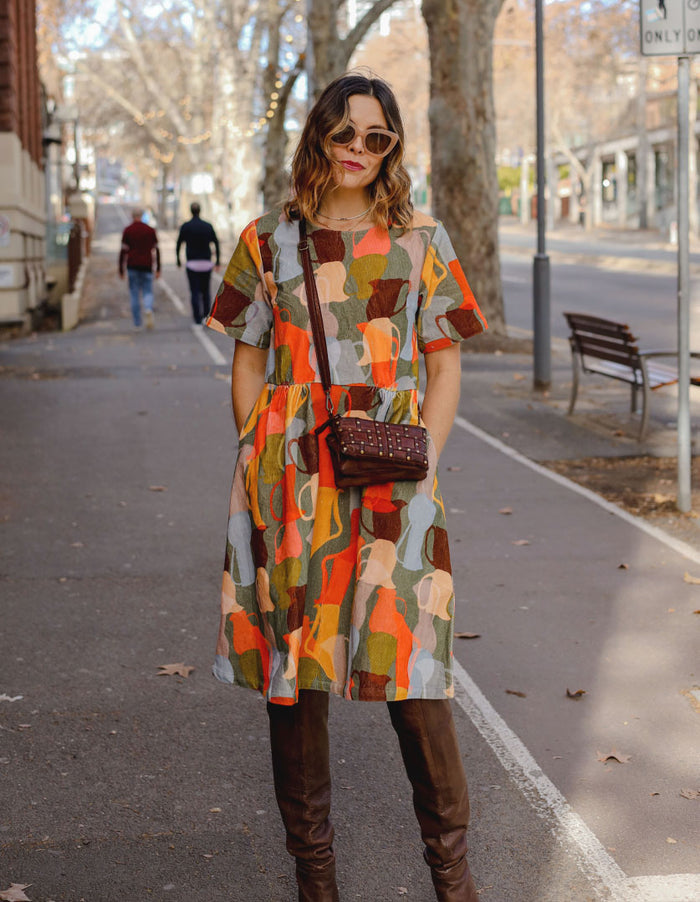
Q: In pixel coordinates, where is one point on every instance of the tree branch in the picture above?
(123, 102)
(157, 93)
(353, 38)
(564, 148)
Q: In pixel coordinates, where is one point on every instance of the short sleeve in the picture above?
(242, 308)
(448, 312)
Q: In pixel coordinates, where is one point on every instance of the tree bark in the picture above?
(463, 141)
(329, 58)
(330, 54)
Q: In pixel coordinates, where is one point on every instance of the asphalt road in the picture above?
(122, 784)
(646, 301)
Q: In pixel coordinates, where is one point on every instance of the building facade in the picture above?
(22, 186)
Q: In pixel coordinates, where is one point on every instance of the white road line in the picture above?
(664, 888)
(591, 857)
(209, 346)
(680, 547)
(198, 331)
(179, 306)
(604, 874)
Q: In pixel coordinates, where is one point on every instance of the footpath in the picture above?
(578, 697)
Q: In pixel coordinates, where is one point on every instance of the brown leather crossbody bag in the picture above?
(363, 451)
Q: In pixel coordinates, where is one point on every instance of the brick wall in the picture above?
(19, 76)
(22, 182)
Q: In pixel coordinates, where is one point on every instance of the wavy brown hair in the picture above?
(312, 167)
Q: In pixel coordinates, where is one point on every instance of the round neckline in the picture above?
(322, 228)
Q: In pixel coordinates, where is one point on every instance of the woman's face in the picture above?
(357, 168)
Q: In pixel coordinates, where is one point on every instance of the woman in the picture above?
(345, 591)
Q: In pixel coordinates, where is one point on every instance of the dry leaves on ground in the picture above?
(467, 635)
(183, 670)
(577, 693)
(516, 692)
(15, 893)
(690, 793)
(693, 580)
(614, 755)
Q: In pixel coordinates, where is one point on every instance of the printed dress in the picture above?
(343, 590)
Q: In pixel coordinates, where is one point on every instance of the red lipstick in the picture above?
(351, 165)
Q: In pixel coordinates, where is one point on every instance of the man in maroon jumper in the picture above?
(139, 248)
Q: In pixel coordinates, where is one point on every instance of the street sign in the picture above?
(669, 27)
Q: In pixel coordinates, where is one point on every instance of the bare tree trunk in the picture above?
(463, 141)
(329, 58)
(330, 54)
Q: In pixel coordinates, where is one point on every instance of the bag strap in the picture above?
(315, 316)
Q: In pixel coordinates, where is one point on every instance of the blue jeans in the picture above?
(140, 285)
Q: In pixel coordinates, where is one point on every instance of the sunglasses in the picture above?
(377, 141)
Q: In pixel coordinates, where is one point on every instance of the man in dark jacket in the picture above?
(198, 237)
(138, 252)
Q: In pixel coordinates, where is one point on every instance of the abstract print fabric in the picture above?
(347, 591)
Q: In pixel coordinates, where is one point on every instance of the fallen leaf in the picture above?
(671, 611)
(157, 488)
(690, 793)
(215, 810)
(506, 510)
(10, 698)
(518, 377)
(515, 692)
(623, 567)
(693, 580)
(183, 670)
(614, 755)
(578, 693)
(654, 793)
(14, 893)
(697, 612)
(467, 635)
(671, 840)
(77, 545)
(521, 542)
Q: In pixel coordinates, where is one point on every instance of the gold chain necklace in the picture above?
(345, 218)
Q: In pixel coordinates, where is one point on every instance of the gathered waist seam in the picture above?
(341, 385)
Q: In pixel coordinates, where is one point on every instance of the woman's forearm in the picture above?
(247, 380)
(443, 380)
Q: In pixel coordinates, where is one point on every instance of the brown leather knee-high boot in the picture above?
(433, 762)
(301, 769)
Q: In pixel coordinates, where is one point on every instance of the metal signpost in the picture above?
(672, 28)
(541, 318)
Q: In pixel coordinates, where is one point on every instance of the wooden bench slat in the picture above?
(598, 326)
(607, 348)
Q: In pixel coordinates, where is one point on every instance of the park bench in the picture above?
(606, 348)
